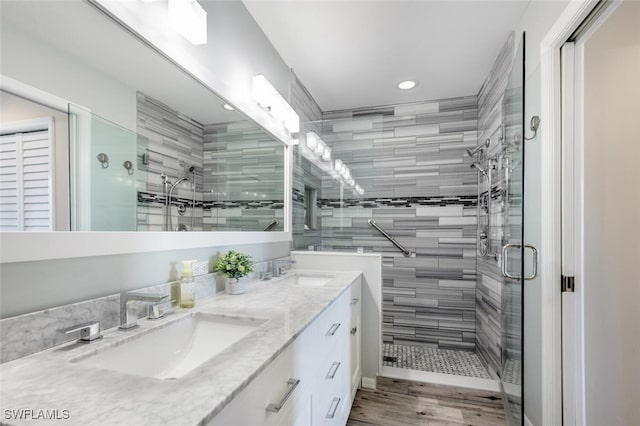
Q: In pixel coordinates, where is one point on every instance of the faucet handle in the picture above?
(154, 311)
(89, 331)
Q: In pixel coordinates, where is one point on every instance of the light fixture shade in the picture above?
(326, 155)
(271, 101)
(291, 120)
(189, 19)
(312, 141)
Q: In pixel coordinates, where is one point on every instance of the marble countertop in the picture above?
(90, 396)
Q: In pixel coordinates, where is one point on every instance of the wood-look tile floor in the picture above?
(401, 402)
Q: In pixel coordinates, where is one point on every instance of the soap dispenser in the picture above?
(187, 285)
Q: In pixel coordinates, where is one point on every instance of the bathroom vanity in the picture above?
(285, 352)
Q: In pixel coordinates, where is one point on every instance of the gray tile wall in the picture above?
(239, 171)
(174, 144)
(489, 294)
(411, 161)
(243, 178)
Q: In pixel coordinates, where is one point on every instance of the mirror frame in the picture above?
(38, 246)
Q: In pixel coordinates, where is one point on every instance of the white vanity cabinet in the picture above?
(313, 381)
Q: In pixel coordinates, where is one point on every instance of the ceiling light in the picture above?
(228, 107)
(406, 85)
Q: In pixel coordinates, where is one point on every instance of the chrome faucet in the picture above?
(277, 267)
(129, 320)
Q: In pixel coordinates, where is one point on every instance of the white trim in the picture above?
(52, 173)
(369, 382)
(24, 90)
(568, 103)
(441, 379)
(551, 321)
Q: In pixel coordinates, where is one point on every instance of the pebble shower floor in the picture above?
(460, 363)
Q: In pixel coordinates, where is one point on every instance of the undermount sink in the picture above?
(308, 280)
(174, 350)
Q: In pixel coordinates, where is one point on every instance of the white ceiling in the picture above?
(352, 54)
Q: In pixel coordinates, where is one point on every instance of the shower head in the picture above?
(479, 168)
(479, 148)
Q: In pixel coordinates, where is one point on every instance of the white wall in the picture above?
(610, 286)
(36, 63)
(536, 22)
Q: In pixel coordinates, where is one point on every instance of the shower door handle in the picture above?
(505, 267)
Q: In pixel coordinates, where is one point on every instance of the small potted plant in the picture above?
(234, 265)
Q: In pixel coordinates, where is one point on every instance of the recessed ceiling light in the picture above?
(406, 85)
(228, 107)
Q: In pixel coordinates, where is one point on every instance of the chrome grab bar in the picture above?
(505, 272)
(292, 384)
(407, 253)
(271, 225)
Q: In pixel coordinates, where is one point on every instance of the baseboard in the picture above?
(527, 422)
(369, 382)
(440, 379)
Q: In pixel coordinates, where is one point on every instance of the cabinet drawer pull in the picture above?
(333, 408)
(354, 330)
(354, 300)
(292, 384)
(333, 370)
(333, 329)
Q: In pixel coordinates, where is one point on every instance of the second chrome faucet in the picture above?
(129, 316)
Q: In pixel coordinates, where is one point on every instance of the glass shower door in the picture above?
(512, 165)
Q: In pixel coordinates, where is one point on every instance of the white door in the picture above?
(601, 213)
(26, 176)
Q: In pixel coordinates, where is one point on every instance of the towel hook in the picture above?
(103, 159)
(129, 166)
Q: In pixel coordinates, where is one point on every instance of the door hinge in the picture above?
(568, 284)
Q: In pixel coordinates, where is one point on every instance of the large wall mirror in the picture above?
(101, 132)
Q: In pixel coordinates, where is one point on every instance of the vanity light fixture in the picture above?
(228, 107)
(407, 85)
(189, 19)
(326, 155)
(312, 141)
(272, 101)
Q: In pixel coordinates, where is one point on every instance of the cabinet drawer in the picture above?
(281, 394)
(333, 326)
